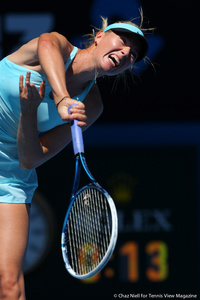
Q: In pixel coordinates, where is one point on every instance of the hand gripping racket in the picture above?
(90, 227)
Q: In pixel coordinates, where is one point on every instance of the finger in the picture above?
(28, 88)
(28, 76)
(80, 105)
(81, 124)
(78, 116)
(27, 82)
(75, 109)
(42, 90)
(21, 83)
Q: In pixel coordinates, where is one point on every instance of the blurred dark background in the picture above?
(144, 149)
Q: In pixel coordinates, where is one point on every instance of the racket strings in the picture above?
(88, 230)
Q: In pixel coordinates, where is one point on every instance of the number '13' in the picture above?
(157, 261)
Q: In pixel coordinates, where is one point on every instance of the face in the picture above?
(114, 53)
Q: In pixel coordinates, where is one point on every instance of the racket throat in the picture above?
(84, 164)
(76, 177)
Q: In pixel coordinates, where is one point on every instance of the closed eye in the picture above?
(126, 41)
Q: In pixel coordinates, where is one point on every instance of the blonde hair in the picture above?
(91, 36)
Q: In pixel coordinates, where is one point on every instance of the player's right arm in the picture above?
(48, 54)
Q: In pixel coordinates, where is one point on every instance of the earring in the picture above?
(93, 32)
(94, 35)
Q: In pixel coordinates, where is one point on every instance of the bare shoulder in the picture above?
(59, 40)
(27, 54)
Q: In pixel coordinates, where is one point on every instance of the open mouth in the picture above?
(114, 60)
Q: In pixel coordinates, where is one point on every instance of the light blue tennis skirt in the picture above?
(16, 185)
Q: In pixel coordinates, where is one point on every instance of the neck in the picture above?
(84, 65)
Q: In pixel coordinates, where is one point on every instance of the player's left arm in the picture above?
(53, 141)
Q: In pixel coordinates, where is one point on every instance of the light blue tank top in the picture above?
(18, 185)
(47, 116)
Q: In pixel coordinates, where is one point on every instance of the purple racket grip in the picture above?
(77, 136)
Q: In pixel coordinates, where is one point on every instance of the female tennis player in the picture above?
(34, 120)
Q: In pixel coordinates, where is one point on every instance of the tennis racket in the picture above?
(90, 227)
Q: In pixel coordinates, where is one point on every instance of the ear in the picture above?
(99, 35)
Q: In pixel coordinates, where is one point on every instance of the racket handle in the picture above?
(77, 136)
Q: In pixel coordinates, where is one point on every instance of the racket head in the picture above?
(89, 232)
